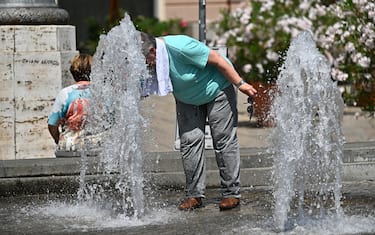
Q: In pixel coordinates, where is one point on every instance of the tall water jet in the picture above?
(115, 122)
(307, 141)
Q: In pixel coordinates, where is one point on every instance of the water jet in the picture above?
(307, 141)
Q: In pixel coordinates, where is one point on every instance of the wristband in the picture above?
(240, 83)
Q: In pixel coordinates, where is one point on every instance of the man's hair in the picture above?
(81, 67)
(148, 41)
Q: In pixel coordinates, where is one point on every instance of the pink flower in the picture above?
(183, 23)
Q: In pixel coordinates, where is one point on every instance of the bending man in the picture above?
(201, 81)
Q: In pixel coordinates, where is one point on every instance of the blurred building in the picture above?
(189, 10)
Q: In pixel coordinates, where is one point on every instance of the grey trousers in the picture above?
(222, 117)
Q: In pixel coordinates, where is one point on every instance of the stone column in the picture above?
(35, 52)
(32, 12)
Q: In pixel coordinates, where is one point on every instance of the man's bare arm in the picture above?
(230, 73)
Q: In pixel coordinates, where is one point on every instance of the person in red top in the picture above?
(70, 108)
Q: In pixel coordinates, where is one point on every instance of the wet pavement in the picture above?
(357, 126)
(63, 214)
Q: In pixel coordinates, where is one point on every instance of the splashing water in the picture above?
(307, 141)
(116, 121)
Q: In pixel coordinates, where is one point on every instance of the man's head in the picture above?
(149, 49)
(81, 67)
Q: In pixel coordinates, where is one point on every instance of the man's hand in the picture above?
(247, 89)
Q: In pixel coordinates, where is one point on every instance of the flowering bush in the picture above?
(258, 34)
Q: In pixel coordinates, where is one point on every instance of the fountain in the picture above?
(307, 142)
(117, 200)
(116, 120)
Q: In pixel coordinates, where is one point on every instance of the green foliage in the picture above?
(95, 29)
(142, 23)
(158, 28)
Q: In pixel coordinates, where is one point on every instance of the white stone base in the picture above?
(34, 67)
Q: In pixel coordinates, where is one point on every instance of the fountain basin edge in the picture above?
(61, 175)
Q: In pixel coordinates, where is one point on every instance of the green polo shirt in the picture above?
(194, 81)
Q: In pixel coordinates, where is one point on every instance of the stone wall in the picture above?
(34, 66)
(189, 10)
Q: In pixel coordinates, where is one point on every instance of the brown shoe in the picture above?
(190, 203)
(229, 203)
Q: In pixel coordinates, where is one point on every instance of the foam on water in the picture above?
(330, 225)
(307, 141)
(81, 216)
(116, 121)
